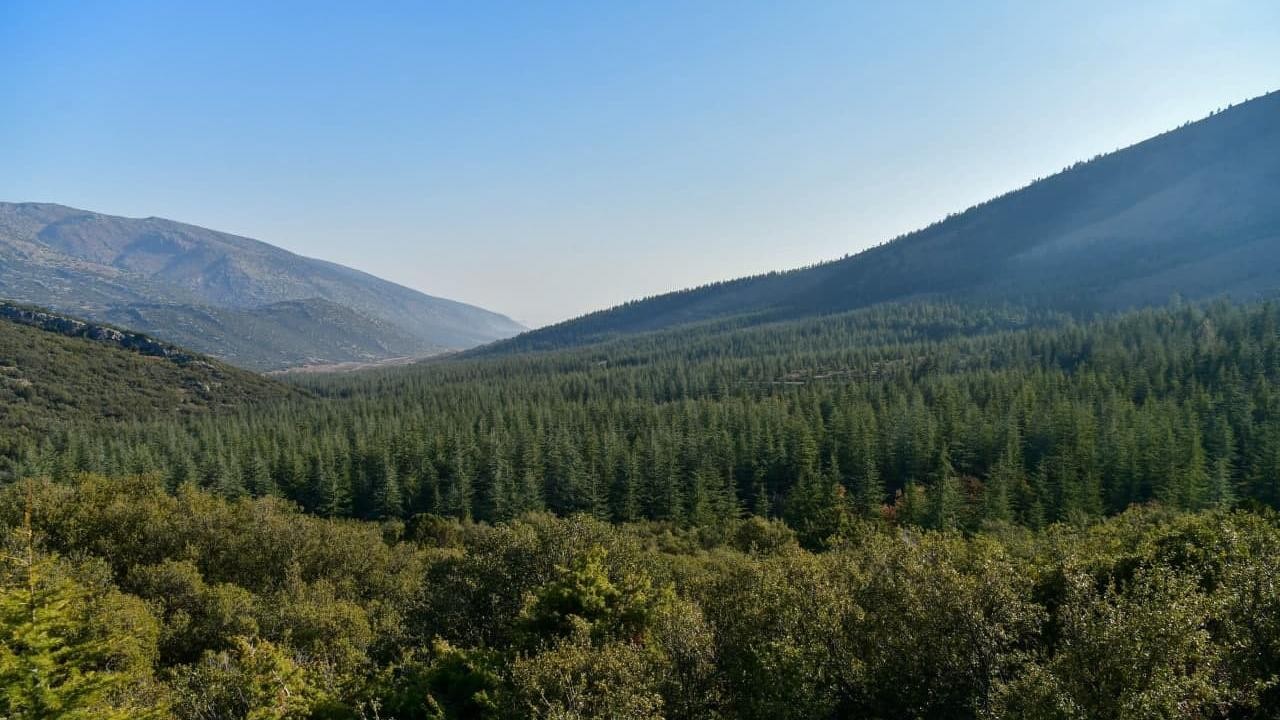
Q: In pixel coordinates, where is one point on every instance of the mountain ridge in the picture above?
(140, 343)
(103, 266)
(1193, 211)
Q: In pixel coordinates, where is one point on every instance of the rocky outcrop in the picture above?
(71, 327)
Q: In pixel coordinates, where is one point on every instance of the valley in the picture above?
(1021, 463)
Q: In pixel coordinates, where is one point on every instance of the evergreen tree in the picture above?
(331, 489)
(1194, 481)
(388, 498)
(760, 502)
(529, 494)
(946, 504)
(818, 507)
(459, 493)
(68, 653)
(255, 476)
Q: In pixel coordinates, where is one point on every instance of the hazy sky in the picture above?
(544, 159)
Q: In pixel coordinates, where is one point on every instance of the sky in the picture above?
(545, 159)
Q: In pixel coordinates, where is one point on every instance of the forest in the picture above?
(123, 600)
(929, 510)
(941, 416)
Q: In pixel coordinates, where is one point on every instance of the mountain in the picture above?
(56, 370)
(1193, 212)
(232, 297)
(291, 333)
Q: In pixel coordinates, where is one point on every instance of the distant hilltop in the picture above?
(235, 298)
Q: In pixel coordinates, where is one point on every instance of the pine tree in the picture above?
(1194, 481)
(624, 497)
(910, 507)
(529, 489)
(458, 496)
(389, 501)
(760, 503)
(256, 477)
(997, 505)
(181, 472)
(503, 501)
(817, 507)
(946, 504)
(331, 489)
(869, 495)
(64, 652)
(700, 511)
(1222, 483)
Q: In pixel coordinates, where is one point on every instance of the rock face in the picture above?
(232, 297)
(71, 327)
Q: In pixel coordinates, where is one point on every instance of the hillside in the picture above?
(222, 294)
(56, 371)
(900, 506)
(292, 333)
(1193, 212)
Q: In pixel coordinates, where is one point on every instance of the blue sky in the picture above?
(545, 159)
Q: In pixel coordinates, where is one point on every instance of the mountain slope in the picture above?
(291, 333)
(107, 267)
(1195, 212)
(56, 370)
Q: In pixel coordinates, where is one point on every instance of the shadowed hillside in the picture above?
(1193, 212)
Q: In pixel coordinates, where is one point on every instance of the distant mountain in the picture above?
(1194, 212)
(56, 370)
(292, 333)
(239, 299)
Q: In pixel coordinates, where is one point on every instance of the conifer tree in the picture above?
(256, 476)
(1194, 491)
(760, 503)
(65, 653)
(946, 504)
(869, 496)
(459, 493)
(331, 489)
(389, 500)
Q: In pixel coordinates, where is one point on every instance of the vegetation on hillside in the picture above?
(120, 599)
(1191, 212)
(57, 372)
(936, 416)
(278, 336)
(928, 510)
